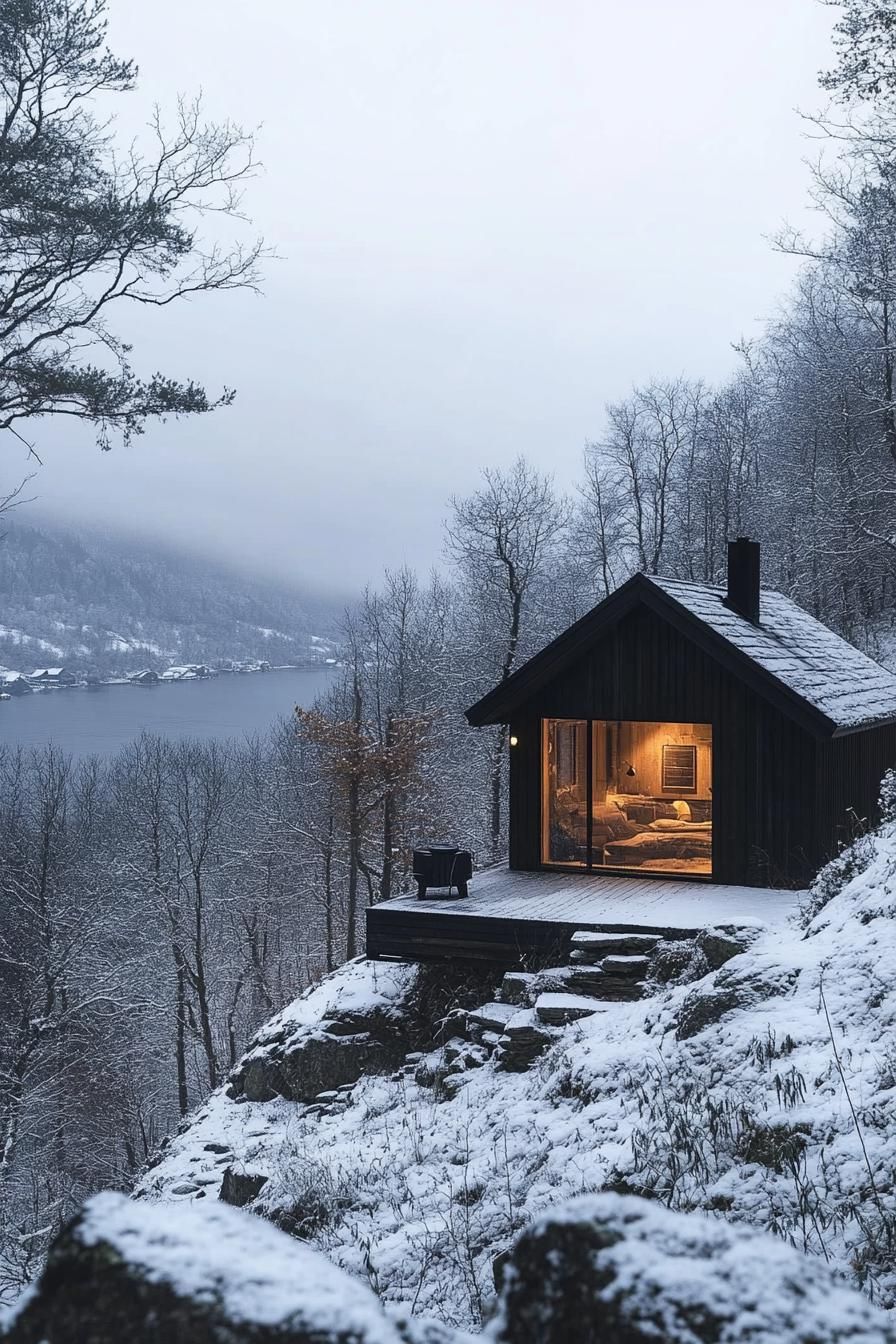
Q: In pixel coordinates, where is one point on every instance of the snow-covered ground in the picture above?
(764, 1093)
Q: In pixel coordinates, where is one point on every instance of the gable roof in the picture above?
(789, 658)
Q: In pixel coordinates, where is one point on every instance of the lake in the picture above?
(98, 722)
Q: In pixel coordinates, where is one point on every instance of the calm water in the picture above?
(98, 722)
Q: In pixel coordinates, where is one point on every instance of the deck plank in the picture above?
(511, 912)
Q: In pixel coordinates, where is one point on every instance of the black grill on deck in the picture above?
(442, 866)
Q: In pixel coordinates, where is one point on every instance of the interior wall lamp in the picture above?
(514, 741)
(631, 772)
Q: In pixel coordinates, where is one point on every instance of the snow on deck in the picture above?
(611, 902)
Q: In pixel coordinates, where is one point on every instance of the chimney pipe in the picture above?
(743, 578)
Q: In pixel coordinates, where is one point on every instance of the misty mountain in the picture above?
(97, 603)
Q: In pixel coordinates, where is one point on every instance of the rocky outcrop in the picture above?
(725, 942)
(363, 1019)
(614, 1269)
(605, 1269)
(355, 1022)
(736, 985)
(129, 1272)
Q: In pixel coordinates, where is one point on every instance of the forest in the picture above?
(155, 908)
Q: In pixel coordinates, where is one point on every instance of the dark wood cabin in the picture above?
(686, 730)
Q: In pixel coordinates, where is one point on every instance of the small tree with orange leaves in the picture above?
(366, 769)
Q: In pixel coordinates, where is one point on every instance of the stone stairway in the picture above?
(533, 1006)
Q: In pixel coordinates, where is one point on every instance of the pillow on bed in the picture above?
(617, 825)
(683, 827)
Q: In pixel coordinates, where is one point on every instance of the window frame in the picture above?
(590, 866)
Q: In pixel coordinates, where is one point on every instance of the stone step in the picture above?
(630, 967)
(556, 1010)
(595, 983)
(590, 947)
(588, 980)
(492, 1016)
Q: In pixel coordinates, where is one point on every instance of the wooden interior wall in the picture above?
(641, 745)
(767, 826)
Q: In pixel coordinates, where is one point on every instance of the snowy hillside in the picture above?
(102, 604)
(763, 1092)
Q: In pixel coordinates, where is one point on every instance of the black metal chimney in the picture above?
(743, 578)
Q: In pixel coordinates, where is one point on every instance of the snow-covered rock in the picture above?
(353, 1023)
(137, 1272)
(617, 1270)
(598, 1270)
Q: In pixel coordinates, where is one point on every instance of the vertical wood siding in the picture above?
(780, 795)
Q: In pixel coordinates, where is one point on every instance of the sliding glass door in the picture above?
(627, 795)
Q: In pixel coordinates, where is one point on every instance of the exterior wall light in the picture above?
(514, 741)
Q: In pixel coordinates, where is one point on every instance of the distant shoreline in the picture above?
(159, 679)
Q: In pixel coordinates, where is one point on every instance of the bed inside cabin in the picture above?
(627, 795)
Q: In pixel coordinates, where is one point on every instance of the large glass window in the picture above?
(627, 795)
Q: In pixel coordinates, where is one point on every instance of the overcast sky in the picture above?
(494, 216)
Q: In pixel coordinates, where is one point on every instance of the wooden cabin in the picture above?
(680, 729)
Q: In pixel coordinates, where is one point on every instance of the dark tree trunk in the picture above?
(180, 1023)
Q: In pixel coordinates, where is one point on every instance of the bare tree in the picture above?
(502, 539)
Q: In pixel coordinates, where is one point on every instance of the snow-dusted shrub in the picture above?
(855, 859)
(888, 797)
(305, 1195)
(678, 962)
(836, 875)
(440, 989)
(690, 1130)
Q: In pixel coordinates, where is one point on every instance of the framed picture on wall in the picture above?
(679, 769)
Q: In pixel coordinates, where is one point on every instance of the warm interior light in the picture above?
(514, 741)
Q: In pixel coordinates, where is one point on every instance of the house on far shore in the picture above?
(145, 678)
(188, 672)
(52, 676)
(13, 683)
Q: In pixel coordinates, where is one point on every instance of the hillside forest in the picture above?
(104, 606)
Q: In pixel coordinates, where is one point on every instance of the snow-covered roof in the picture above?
(826, 671)
(789, 656)
(48, 672)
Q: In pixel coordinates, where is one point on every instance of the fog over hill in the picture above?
(99, 603)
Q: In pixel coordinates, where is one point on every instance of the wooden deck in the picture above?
(509, 915)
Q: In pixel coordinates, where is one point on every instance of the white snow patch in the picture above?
(217, 1254)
